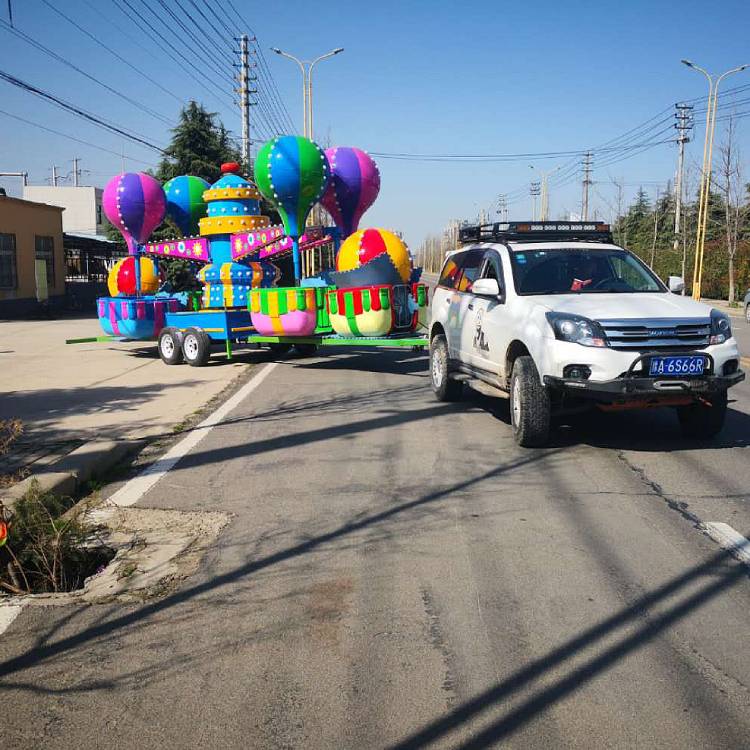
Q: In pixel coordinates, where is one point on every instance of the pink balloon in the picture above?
(135, 203)
(352, 189)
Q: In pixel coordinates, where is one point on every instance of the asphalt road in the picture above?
(397, 573)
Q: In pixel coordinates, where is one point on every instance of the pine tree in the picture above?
(200, 144)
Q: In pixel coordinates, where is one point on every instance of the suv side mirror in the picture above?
(486, 287)
(676, 284)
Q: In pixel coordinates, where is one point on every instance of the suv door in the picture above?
(446, 302)
(471, 264)
(487, 331)
(452, 298)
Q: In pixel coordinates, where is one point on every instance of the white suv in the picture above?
(562, 319)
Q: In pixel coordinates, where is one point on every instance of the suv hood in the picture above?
(626, 306)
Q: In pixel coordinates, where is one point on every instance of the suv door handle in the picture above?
(471, 305)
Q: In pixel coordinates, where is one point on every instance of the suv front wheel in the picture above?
(529, 405)
(443, 387)
(702, 421)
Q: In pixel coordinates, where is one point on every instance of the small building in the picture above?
(83, 206)
(29, 232)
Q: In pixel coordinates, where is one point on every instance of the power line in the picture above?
(112, 52)
(207, 60)
(51, 53)
(74, 138)
(75, 110)
(160, 41)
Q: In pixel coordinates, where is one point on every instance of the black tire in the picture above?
(747, 313)
(306, 350)
(169, 345)
(700, 421)
(280, 349)
(530, 408)
(196, 347)
(443, 386)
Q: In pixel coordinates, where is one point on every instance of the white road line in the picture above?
(725, 536)
(139, 485)
(8, 613)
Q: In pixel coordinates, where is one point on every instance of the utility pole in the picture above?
(76, 173)
(586, 184)
(656, 228)
(684, 124)
(54, 175)
(245, 102)
(502, 206)
(534, 191)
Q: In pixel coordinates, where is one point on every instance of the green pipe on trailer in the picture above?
(94, 340)
(381, 341)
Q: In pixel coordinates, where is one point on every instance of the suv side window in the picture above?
(451, 271)
(471, 263)
(492, 269)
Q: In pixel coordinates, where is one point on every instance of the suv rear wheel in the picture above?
(701, 421)
(529, 405)
(442, 386)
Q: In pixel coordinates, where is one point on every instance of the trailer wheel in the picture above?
(196, 347)
(170, 346)
(306, 350)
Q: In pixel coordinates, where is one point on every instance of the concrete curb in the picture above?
(70, 473)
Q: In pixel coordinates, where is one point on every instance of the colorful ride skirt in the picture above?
(420, 295)
(378, 310)
(362, 311)
(289, 311)
(134, 317)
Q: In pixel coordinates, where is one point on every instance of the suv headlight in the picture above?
(721, 327)
(576, 329)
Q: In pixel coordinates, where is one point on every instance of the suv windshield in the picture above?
(581, 271)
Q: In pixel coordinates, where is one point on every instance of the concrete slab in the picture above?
(98, 391)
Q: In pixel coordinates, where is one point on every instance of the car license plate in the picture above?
(676, 366)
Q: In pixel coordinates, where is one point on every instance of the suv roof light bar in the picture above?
(537, 231)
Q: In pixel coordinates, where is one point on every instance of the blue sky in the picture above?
(439, 77)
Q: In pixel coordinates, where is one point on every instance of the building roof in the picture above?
(22, 201)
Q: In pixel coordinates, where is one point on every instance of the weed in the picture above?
(45, 551)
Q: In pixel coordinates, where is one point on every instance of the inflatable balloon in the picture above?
(352, 189)
(185, 204)
(135, 203)
(366, 245)
(292, 172)
(122, 278)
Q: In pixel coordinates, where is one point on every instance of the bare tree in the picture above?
(732, 186)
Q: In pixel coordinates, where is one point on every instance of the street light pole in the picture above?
(705, 191)
(310, 88)
(304, 85)
(307, 68)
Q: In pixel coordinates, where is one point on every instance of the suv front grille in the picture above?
(670, 334)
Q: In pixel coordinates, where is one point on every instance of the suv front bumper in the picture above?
(638, 388)
(633, 385)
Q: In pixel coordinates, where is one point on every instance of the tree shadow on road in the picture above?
(721, 572)
(139, 616)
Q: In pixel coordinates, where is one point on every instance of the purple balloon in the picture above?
(353, 188)
(135, 203)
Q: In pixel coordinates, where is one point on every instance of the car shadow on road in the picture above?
(649, 430)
